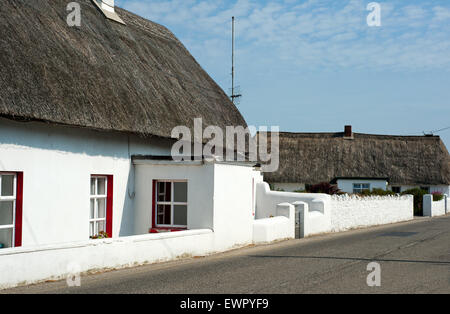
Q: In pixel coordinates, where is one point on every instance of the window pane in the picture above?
(101, 226)
(164, 191)
(180, 192)
(6, 213)
(6, 238)
(101, 206)
(92, 216)
(101, 186)
(7, 188)
(163, 215)
(366, 186)
(91, 229)
(180, 215)
(93, 186)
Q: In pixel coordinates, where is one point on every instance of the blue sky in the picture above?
(315, 65)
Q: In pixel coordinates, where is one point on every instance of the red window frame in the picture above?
(18, 222)
(109, 201)
(155, 228)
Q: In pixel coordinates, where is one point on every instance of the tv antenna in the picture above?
(437, 131)
(235, 92)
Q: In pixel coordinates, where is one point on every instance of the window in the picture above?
(425, 188)
(360, 187)
(170, 204)
(100, 218)
(11, 209)
(396, 189)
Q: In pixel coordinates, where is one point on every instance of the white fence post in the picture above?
(428, 205)
(288, 210)
(302, 209)
(446, 203)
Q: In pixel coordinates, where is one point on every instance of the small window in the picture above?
(426, 188)
(10, 210)
(396, 189)
(359, 188)
(171, 205)
(100, 220)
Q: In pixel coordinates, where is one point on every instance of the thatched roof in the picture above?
(134, 78)
(322, 157)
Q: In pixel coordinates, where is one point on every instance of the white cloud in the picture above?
(308, 34)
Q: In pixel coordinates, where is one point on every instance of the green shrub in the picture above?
(418, 199)
(437, 196)
(324, 188)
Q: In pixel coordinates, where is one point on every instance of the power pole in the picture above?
(233, 95)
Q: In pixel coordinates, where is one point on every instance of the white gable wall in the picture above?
(57, 163)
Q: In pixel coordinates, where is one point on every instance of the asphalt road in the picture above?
(414, 258)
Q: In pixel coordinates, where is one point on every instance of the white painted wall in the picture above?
(221, 197)
(346, 185)
(234, 204)
(54, 262)
(318, 216)
(434, 209)
(281, 227)
(57, 163)
(200, 180)
(352, 212)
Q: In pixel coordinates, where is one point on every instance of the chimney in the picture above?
(348, 131)
(108, 5)
(107, 8)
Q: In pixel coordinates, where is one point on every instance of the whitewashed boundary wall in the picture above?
(320, 213)
(276, 228)
(434, 209)
(21, 266)
(352, 212)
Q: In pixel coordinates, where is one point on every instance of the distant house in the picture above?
(86, 115)
(357, 162)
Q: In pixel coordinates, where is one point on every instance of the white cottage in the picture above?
(86, 115)
(356, 162)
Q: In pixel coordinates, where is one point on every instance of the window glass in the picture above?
(92, 209)
(101, 205)
(164, 215)
(180, 192)
(101, 186)
(180, 215)
(93, 186)
(7, 188)
(101, 226)
(164, 191)
(6, 213)
(6, 236)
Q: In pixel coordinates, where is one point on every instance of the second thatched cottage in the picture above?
(357, 162)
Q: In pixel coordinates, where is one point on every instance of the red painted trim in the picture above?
(19, 210)
(155, 227)
(154, 203)
(158, 229)
(109, 206)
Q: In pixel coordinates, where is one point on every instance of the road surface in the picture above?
(414, 258)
